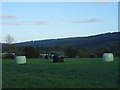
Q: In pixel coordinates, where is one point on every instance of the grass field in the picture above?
(73, 73)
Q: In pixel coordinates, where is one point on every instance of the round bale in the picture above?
(107, 57)
(20, 59)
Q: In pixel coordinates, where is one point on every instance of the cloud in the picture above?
(41, 23)
(27, 23)
(11, 23)
(62, 19)
(107, 0)
(9, 16)
(88, 20)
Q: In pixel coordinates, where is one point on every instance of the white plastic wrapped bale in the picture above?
(20, 59)
(107, 57)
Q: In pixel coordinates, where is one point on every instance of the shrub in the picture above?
(30, 52)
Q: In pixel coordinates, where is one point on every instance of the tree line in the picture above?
(69, 50)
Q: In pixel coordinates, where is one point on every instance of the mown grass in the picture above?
(73, 73)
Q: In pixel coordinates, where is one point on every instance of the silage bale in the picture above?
(107, 57)
(20, 59)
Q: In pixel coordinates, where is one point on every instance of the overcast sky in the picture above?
(27, 21)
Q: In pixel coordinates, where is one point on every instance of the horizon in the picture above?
(27, 21)
(61, 38)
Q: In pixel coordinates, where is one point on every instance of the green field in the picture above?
(73, 73)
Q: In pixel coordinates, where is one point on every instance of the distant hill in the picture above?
(107, 39)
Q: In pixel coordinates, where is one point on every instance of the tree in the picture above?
(9, 39)
(10, 48)
(30, 52)
(84, 53)
(70, 52)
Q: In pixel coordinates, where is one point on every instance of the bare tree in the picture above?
(9, 39)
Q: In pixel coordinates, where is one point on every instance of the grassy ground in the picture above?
(73, 73)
